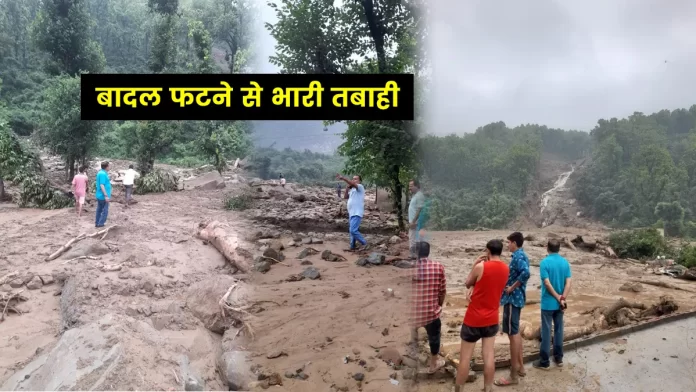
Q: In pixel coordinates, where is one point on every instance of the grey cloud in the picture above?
(559, 63)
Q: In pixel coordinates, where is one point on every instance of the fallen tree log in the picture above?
(226, 243)
(663, 285)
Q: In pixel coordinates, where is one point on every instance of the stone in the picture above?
(17, 283)
(311, 273)
(193, 385)
(6, 288)
(632, 286)
(276, 354)
(376, 258)
(306, 262)
(409, 373)
(395, 239)
(208, 181)
(125, 273)
(390, 355)
(202, 300)
(47, 279)
(35, 283)
(358, 376)
(306, 241)
(291, 243)
(262, 266)
(234, 369)
(305, 252)
(361, 262)
(302, 376)
(273, 253)
(317, 241)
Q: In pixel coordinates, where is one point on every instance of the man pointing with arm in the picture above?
(356, 208)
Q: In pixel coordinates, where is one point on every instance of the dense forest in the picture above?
(481, 178)
(45, 46)
(643, 172)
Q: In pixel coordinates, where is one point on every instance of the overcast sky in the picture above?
(560, 63)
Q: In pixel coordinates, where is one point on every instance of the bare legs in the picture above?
(465, 355)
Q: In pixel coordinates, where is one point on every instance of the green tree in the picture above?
(62, 129)
(673, 216)
(61, 29)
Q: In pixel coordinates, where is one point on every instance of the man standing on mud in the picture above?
(128, 181)
(103, 194)
(414, 210)
(488, 278)
(513, 300)
(429, 288)
(555, 279)
(355, 193)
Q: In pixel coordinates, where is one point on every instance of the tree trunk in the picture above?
(377, 33)
(376, 193)
(71, 168)
(2, 190)
(225, 242)
(397, 191)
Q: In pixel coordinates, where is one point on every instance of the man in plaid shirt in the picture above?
(428, 296)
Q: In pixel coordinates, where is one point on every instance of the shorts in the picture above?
(80, 200)
(473, 334)
(511, 319)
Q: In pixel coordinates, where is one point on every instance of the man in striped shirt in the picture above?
(428, 296)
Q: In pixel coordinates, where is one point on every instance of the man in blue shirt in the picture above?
(355, 193)
(103, 194)
(513, 299)
(555, 279)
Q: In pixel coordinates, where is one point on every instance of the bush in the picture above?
(687, 256)
(638, 244)
(239, 202)
(157, 181)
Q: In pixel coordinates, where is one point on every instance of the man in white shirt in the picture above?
(128, 181)
(355, 193)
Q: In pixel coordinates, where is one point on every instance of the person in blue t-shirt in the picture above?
(103, 194)
(355, 193)
(555, 279)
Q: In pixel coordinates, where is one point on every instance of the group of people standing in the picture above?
(418, 212)
(493, 283)
(102, 191)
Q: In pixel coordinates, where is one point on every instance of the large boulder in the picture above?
(235, 370)
(208, 181)
(120, 353)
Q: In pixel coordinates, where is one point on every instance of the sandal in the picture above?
(504, 382)
(439, 365)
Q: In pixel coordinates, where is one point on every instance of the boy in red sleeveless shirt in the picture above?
(488, 278)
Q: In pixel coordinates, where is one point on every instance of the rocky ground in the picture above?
(149, 305)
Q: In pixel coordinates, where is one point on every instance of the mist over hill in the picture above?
(298, 135)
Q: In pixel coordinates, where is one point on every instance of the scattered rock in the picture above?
(262, 266)
(311, 273)
(234, 369)
(376, 258)
(193, 385)
(358, 376)
(35, 283)
(125, 273)
(306, 252)
(6, 288)
(203, 301)
(395, 239)
(317, 241)
(632, 286)
(17, 283)
(306, 241)
(361, 262)
(328, 256)
(208, 181)
(390, 355)
(273, 254)
(47, 279)
(276, 354)
(385, 332)
(409, 373)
